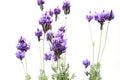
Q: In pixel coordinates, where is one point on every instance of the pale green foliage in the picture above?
(42, 75)
(95, 72)
(61, 73)
(27, 77)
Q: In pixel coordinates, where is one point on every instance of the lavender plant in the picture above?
(22, 48)
(57, 44)
(101, 18)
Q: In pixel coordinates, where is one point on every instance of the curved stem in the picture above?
(105, 40)
(93, 43)
(99, 45)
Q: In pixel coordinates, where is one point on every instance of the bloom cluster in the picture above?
(58, 44)
(22, 48)
(46, 21)
(66, 7)
(101, 17)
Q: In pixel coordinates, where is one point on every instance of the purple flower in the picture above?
(20, 55)
(22, 45)
(54, 57)
(89, 17)
(58, 46)
(66, 7)
(49, 36)
(100, 18)
(40, 3)
(45, 21)
(86, 63)
(62, 29)
(109, 15)
(50, 12)
(56, 12)
(47, 56)
(38, 34)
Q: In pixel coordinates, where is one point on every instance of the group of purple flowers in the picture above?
(101, 17)
(56, 40)
(45, 21)
(22, 48)
(57, 44)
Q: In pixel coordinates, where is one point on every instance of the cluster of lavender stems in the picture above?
(101, 18)
(57, 40)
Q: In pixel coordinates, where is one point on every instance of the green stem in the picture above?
(43, 52)
(93, 43)
(105, 40)
(65, 37)
(23, 68)
(99, 46)
(40, 56)
(26, 65)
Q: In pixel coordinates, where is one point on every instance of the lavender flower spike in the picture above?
(89, 17)
(56, 12)
(38, 34)
(40, 3)
(109, 15)
(66, 7)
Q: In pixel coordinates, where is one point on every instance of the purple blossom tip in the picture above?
(86, 63)
(89, 17)
(22, 45)
(50, 12)
(38, 34)
(62, 29)
(57, 11)
(40, 2)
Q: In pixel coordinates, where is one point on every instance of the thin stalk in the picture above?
(65, 37)
(99, 45)
(40, 56)
(93, 43)
(105, 40)
(43, 52)
(26, 65)
(23, 68)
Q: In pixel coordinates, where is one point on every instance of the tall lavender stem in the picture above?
(99, 46)
(65, 37)
(93, 43)
(40, 56)
(105, 40)
(43, 52)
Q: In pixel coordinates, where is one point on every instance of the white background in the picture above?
(20, 17)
